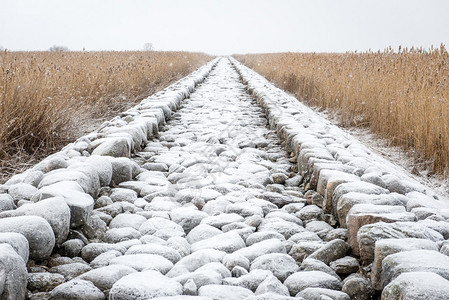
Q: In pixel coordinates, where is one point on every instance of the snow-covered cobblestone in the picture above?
(203, 191)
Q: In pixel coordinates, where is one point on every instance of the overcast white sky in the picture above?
(223, 27)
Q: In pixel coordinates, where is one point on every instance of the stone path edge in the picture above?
(364, 192)
(76, 174)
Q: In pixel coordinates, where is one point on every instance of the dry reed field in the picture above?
(49, 98)
(401, 95)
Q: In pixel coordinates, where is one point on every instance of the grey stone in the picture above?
(123, 170)
(280, 200)
(358, 288)
(321, 228)
(355, 187)
(272, 296)
(60, 260)
(221, 292)
(180, 244)
(222, 219)
(103, 259)
(164, 251)
(94, 228)
(103, 216)
(92, 250)
(281, 265)
(301, 280)
(345, 265)
(127, 220)
(141, 262)
(244, 209)
(314, 293)
(249, 281)
(328, 182)
(301, 250)
(293, 208)
(261, 248)
(238, 271)
(120, 195)
(13, 273)
(422, 213)
(233, 260)
(91, 172)
(331, 251)
(263, 235)
(183, 297)
(103, 168)
(144, 285)
(71, 248)
(89, 185)
(311, 264)
(18, 242)
(310, 212)
(54, 210)
(151, 239)
(287, 229)
(284, 216)
(112, 210)
(116, 235)
(80, 203)
(129, 243)
(51, 163)
(272, 285)
(337, 233)
(154, 224)
(70, 271)
(279, 178)
(200, 277)
(304, 237)
(162, 204)
(195, 260)
(347, 201)
(238, 227)
(105, 277)
(227, 242)
(33, 178)
(115, 147)
(440, 226)
(44, 282)
(186, 195)
(214, 206)
(414, 261)
(369, 234)
(190, 288)
(21, 191)
(6, 202)
(374, 179)
(363, 214)
(417, 286)
(394, 184)
(265, 205)
(385, 247)
(315, 198)
(254, 221)
(216, 267)
(159, 167)
(37, 231)
(186, 217)
(77, 289)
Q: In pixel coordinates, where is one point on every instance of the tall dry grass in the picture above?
(50, 98)
(401, 95)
